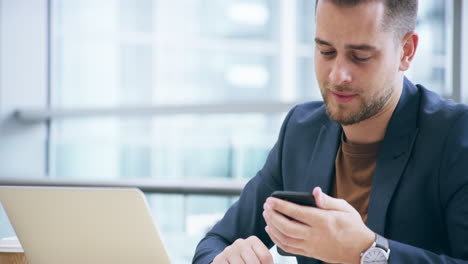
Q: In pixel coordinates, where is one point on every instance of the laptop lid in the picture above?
(83, 225)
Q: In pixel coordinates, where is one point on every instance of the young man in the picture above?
(393, 155)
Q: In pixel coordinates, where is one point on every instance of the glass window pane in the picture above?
(430, 63)
(247, 19)
(118, 52)
(306, 21)
(194, 77)
(172, 147)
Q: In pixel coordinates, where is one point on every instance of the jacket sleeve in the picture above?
(453, 177)
(244, 218)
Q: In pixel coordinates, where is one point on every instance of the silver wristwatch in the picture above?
(378, 253)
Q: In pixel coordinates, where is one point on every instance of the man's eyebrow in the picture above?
(364, 47)
(361, 47)
(322, 42)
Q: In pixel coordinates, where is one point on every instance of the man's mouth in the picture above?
(343, 97)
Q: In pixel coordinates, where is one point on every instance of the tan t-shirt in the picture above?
(355, 165)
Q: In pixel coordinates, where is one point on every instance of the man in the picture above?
(394, 156)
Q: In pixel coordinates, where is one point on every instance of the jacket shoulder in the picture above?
(435, 109)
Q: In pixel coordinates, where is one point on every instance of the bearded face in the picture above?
(348, 106)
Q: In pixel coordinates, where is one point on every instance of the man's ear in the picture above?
(410, 44)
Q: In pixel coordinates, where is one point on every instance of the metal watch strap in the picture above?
(381, 242)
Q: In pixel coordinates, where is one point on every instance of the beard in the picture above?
(367, 108)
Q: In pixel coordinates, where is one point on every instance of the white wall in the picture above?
(23, 84)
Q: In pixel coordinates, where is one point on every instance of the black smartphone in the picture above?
(301, 198)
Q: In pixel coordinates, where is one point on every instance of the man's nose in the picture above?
(340, 73)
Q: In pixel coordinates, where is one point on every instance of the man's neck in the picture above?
(373, 129)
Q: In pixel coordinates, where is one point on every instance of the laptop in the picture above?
(58, 225)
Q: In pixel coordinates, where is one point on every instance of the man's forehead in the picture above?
(357, 27)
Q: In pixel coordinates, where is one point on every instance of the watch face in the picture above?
(375, 256)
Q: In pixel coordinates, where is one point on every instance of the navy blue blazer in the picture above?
(419, 193)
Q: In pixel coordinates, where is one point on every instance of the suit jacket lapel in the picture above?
(321, 166)
(394, 155)
(387, 174)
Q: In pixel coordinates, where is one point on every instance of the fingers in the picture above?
(287, 208)
(236, 258)
(289, 245)
(245, 251)
(287, 227)
(324, 201)
(261, 251)
(287, 234)
(248, 256)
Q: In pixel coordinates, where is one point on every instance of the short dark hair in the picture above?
(400, 15)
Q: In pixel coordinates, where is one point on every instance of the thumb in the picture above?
(326, 202)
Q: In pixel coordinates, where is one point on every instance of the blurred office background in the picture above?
(108, 67)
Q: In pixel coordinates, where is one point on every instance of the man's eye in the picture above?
(327, 53)
(361, 59)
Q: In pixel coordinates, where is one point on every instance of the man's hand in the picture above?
(245, 251)
(334, 232)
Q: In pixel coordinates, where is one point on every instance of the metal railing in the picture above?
(41, 114)
(183, 187)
